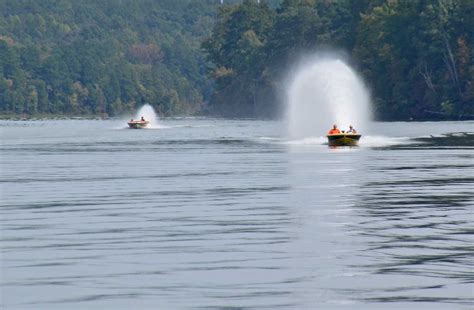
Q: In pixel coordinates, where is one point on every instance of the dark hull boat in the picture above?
(343, 139)
(138, 124)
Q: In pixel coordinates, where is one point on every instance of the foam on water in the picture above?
(366, 141)
(308, 141)
(149, 114)
(326, 91)
(380, 141)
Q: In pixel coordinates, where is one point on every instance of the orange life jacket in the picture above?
(334, 132)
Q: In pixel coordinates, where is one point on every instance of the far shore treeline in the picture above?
(188, 57)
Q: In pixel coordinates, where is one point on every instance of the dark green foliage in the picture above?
(103, 57)
(236, 50)
(417, 56)
(111, 56)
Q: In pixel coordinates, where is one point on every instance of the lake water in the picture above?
(228, 214)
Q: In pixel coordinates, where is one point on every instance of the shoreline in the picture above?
(41, 117)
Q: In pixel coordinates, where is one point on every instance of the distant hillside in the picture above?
(417, 56)
(103, 57)
(108, 57)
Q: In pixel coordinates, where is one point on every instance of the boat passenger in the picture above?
(351, 129)
(131, 120)
(334, 130)
(143, 119)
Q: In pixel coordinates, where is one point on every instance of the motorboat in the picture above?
(343, 139)
(138, 124)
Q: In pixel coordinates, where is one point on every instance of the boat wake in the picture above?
(160, 125)
(324, 91)
(146, 114)
(157, 126)
(365, 141)
(381, 141)
(308, 141)
(149, 127)
(453, 139)
(191, 126)
(457, 139)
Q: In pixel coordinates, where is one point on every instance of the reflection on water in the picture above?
(206, 214)
(417, 210)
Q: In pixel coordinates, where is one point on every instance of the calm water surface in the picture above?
(214, 214)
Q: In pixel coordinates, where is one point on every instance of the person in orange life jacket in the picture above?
(334, 130)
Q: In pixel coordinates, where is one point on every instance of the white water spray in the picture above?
(323, 92)
(148, 113)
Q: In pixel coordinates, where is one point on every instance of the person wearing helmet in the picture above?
(351, 129)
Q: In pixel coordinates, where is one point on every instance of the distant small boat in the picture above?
(343, 139)
(138, 124)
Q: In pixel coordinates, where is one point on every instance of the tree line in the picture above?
(198, 56)
(416, 56)
(103, 57)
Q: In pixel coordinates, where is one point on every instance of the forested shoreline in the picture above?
(188, 57)
(103, 57)
(416, 56)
